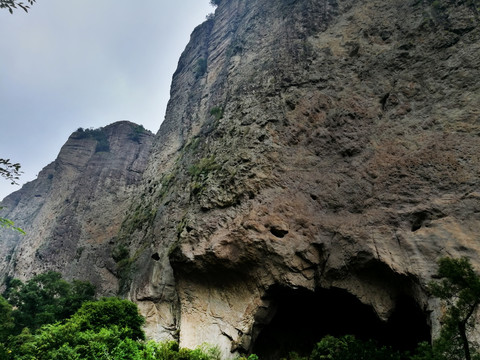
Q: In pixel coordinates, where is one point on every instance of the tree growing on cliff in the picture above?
(459, 288)
(10, 5)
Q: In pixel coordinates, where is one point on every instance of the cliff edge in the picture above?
(316, 159)
(72, 212)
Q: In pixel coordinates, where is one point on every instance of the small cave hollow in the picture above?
(278, 232)
(418, 219)
(302, 318)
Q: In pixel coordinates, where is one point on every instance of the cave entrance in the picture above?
(303, 317)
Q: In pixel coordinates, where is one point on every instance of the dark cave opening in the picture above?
(303, 317)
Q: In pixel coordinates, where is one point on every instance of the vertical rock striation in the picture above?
(73, 210)
(316, 159)
(311, 146)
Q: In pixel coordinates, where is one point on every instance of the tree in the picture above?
(45, 299)
(349, 348)
(6, 326)
(459, 288)
(12, 4)
(6, 319)
(105, 329)
(9, 224)
(11, 172)
(95, 315)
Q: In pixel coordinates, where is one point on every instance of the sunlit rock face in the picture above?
(316, 159)
(72, 212)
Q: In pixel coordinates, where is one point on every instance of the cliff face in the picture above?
(73, 210)
(316, 159)
(324, 145)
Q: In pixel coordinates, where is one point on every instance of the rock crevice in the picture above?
(313, 152)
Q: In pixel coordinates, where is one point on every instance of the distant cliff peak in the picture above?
(75, 207)
(316, 158)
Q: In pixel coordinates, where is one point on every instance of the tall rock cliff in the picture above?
(73, 210)
(316, 159)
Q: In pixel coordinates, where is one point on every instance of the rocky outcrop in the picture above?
(324, 146)
(73, 211)
(316, 159)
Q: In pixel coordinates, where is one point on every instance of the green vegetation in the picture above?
(203, 167)
(12, 4)
(44, 299)
(49, 318)
(106, 329)
(200, 67)
(200, 171)
(126, 268)
(459, 288)
(350, 348)
(62, 322)
(98, 330)
(143, 213)
(141, 216)
(103, 145)
(9, 224)
(217, 112)
(11, 172)
(137, 132)
(6, 319)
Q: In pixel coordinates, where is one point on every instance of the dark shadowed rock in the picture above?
(315, 155)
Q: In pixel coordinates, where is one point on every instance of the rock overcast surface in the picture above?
(316, 159)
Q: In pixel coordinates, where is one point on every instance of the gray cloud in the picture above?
(85, 63)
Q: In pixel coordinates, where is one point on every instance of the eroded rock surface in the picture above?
(313, 152)
(72, 212)
(325, 145)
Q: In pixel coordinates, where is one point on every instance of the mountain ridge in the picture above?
(312, 152)
(47, 208)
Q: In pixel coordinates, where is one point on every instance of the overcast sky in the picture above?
(85, 63)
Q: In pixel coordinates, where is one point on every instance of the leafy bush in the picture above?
(6, 320)
(200, 68)
(103, 145)
(217, 112)
(106, 312)
(44, 299)
(136, 133)
(203, 167)
(98, 330)
(109, 328)
(68, 342)
(350, 348)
